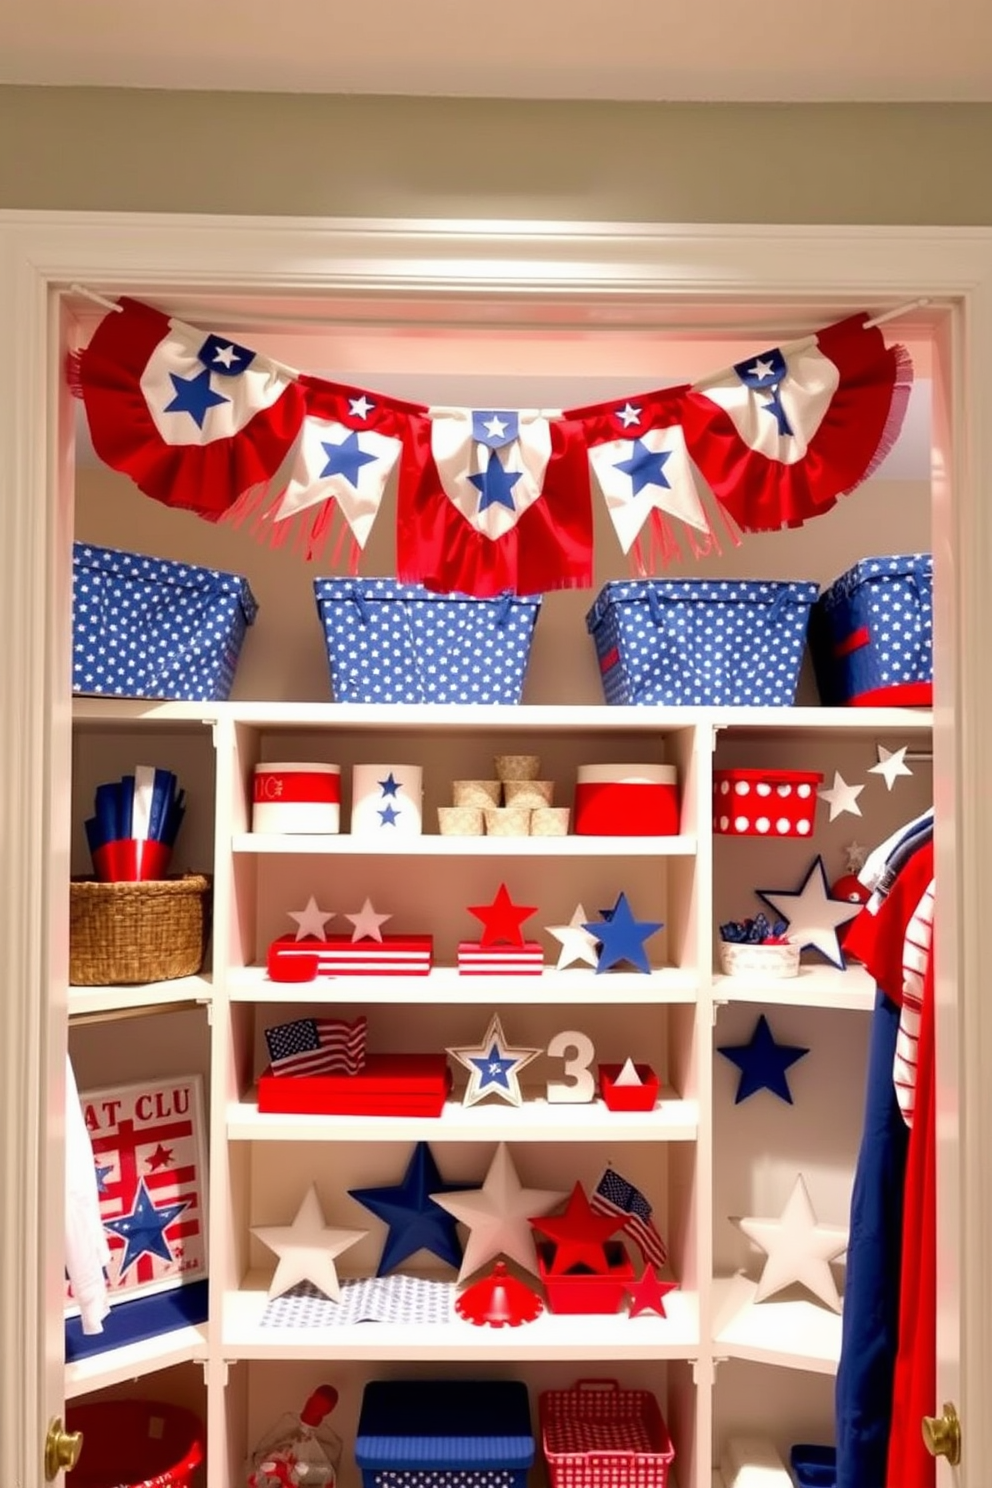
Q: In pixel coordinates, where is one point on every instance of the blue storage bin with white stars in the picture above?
(451, 1433)
(151, 628)
(721, 642)
(400, 643)
(871, 634)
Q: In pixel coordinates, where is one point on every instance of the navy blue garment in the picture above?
(870, 1320)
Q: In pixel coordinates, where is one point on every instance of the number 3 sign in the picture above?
(579, 1087)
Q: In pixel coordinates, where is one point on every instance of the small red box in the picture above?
(388, 1085)
(627, 801)
(765, 803)
(475, 959)
(629, 1097)
(589, 1291)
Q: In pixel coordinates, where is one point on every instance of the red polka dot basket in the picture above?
(764, 803)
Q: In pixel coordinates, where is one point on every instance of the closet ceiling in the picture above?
(887, 50)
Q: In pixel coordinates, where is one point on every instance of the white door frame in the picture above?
(658, 269)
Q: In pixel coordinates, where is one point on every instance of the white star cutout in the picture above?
(498, 1216)
(798, 1249)
(812, 916)
(577, 943)
(841, 797)
(854, 856)
(891, 763)
(360, 407)
(479, 1083)
(629, 415)
(761, 370)
(307, 1248)
(226, 355)
(494, 427)
(367, 922)
(311, 921)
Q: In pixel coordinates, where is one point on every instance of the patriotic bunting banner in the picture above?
(489, 500)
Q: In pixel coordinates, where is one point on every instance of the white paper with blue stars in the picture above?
(371, 1299)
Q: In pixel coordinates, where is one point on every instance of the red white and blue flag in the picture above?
(317, 1046)
(614, 1195)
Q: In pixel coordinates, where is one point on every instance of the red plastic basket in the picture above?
(595, 1435)
(135, 1444)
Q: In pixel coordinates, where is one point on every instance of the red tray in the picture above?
(601, 1292)
(388, 1085)
(629, 1097)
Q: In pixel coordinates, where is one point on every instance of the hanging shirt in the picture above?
(86, 1248)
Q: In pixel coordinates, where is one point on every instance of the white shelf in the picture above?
(145, 713)
(578, 987)
(551, 1336)
(769, 721)
(534, 1121)
(794, 1334)
(815, 986)
(87, 1000)
(133, 1360)
(433, 845)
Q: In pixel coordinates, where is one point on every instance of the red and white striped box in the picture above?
(627, 801)
(292, 960)
(297, 797)
(765, 803)
(475, 959)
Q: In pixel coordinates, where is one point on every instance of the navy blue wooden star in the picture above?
(622, 937)
(143, 1230)
(762, 1063)
(194, 396)
(415, 1221)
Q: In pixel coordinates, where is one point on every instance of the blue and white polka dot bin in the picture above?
(150, 628)
(451, 1433)
(722, 642)
(871, 634)
(399, 643)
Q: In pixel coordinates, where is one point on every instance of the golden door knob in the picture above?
(942, 1435)
(62, 1449)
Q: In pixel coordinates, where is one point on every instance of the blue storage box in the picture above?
(150, 628)
(871, 634)
(701, 641)
(452, 1433)
(813, 1466)
(399, 643)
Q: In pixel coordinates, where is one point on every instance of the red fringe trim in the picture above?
(310, 532)
(74, 373)
(902, 388)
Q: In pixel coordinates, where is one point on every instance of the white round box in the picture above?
(386, 801)
(297, 797)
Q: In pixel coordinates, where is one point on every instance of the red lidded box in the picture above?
(387, 1085)
(764, 803)
(627, 801)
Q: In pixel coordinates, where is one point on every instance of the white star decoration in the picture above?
(494, 427)
(761, 370)
(307, 1248)
(498, 1216)
(854, 856)
(841, 797)
(812, 916)
(493, 1067)
(367, 922)
(891, 763)
(797, 1249)
(226, 355)
(628, 415)
(360, 407)
(311, 921)
(577, 943)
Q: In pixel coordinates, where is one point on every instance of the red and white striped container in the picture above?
(627, 801)
(765, 803)
(296, 798)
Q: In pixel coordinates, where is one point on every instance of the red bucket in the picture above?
(135, 1444)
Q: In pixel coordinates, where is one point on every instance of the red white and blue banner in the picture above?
(489, 500)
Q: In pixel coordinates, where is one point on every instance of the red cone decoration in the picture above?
(499, 1300)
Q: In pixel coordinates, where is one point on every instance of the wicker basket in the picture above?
(122, 933)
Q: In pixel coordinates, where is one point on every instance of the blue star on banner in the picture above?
(645, 467)
(622, 937)
(496, 484)
(774, 407)
(762, 1063)
(415, 1221)
(389, 786)
(226, 358)
(346, 459)
(194, 396)
(389, 815)
(143, 1230)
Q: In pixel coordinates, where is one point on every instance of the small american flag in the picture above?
(317, 1046)
(614, 1195)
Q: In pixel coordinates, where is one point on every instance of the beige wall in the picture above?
(351, 156)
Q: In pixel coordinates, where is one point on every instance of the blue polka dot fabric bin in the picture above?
(701, 641)
(871, 634)
(399, 643)
(150, 628)
(452, 1433)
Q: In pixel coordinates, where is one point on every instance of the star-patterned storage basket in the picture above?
(701, 641)
(444, 1434)
(871, 634)
(399, 643)
(151, 628)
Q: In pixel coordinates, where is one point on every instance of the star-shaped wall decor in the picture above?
(891, 764)
(307, 1249)
(311, 921)
(855, 856)
(494, 1068)
(841, 797)
(367, 923)
(622, 937)
(797, 1249)
(762, 1063)
(416, 1221)
(502, 919)
(577, 945)
(648, 1294)
(812, 915)
(143, 1230)
(579, 1235)
(497, 1216)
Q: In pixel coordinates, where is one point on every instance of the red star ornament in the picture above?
(579, 1235)
(502, 919)
(648, 1293)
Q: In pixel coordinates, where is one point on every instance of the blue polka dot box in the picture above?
(452, 1433)
(722, 642)
(871, 634)
(151, 628)
(399, 643)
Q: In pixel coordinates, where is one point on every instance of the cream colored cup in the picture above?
(476, 792)
(460, 821)
(550, 821)
(532, 793)
(518, 766)
(507, 821)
